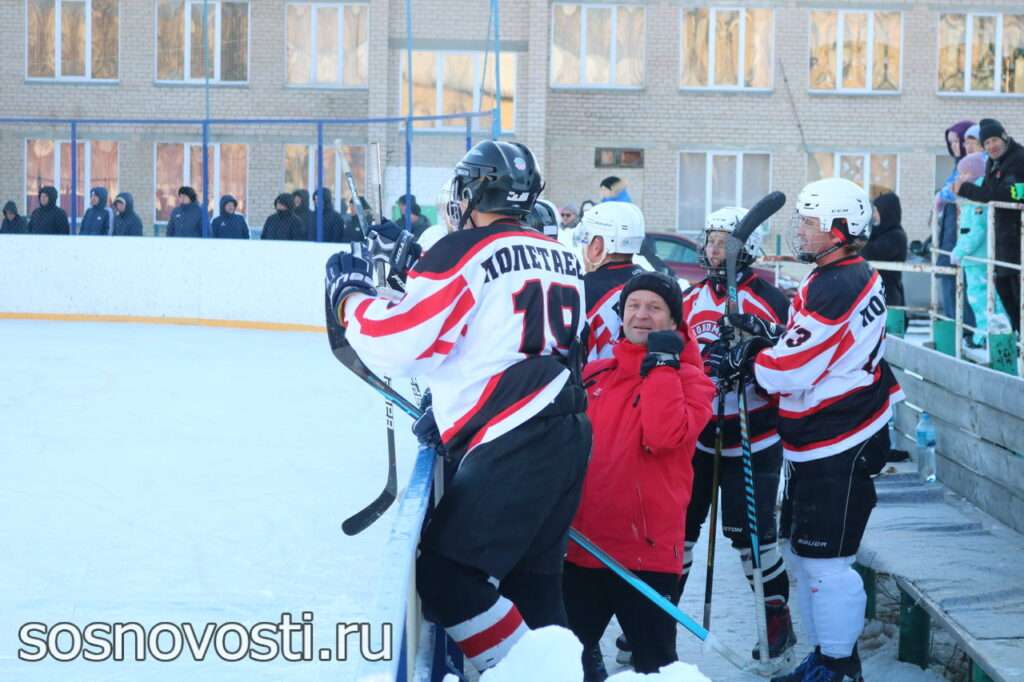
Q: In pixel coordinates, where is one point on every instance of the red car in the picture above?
(683, 256)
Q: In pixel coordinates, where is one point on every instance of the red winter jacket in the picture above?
(640, 476)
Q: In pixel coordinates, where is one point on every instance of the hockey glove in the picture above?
(425, 427)
(398, 244)
(663, 349)
(349, 273)
(739, 362)
(754, 325)
(713, 355)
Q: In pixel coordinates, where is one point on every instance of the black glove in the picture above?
(349, 273)
(425, 428)
(756, 326)
(713, 354)
(739, 362)
(398, 244)
(663, 349)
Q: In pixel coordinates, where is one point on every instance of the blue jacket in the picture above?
(99, 219)
(127, 224)
(229, 225)
(186, 221)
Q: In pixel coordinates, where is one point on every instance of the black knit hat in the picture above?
(989, 127)
(661, 284)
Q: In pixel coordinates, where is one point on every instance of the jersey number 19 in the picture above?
(531, 301)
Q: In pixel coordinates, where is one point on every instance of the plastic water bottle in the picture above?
(925, 449)
(893, 436)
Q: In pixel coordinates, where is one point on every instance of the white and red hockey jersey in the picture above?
(835, 389)
(704, 304)
(487, 318)
(604, 325)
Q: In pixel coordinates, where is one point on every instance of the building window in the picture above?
(454, 82)
(598, 46)
(709, 181)
(97, 167)
(855, 51)
(300, 169)
(876, 173)
(180, 55)
(327, 44)
(727, 48)
(72, 39)
(228, 168)
(608, 157)
(981, 53)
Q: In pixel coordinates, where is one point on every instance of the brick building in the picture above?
(695, 104)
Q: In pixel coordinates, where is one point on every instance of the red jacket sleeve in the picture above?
(675, 404)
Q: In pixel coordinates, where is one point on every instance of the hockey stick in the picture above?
(709, 581)
(710, 641)
(362, 519)
(760, 212)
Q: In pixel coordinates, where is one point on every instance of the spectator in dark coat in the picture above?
(12, 222)
(187, 219)
(335, 225)
(418, 220)
(300, 198)
(229, 225)
(283, 224)
(126, 221)
(49, 218)
(99, 218)
(1003, 170)
(888, 242)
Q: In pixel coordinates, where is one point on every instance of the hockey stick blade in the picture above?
(364, 518)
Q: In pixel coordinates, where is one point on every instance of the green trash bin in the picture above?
(944, 334)
(896, 322)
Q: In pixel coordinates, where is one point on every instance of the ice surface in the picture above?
(159, 473)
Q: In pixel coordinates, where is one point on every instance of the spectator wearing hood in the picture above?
(49, 218)
(300, 202)
(418, 220)
(1004, 169)
(948, 217)
(888, 242)
(614, 189)
(229, 224)
(187, 219)
(283, 224)
(12, 222)
(126, 221)
(336, 228)
(99, 218)
(973, 241)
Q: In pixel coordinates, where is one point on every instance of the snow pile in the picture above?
(553, 654)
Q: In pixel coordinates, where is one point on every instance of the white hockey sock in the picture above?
(486, 637)
(838, 600)
(687, 557)
(803, 594)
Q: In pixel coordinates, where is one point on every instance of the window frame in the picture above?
(585, 9)
(84, 183)
(865, 155)
(186, 173)
(338, 185)
(312, 84)
(708, 170)
(742, 56)
(968, 47)
(186, 47)
(57, 77)
(446, 126)
(870, 66)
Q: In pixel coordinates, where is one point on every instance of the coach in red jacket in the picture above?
(648, 404)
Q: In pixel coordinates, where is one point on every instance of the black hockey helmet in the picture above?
(498, 177)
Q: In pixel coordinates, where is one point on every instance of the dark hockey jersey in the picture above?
(835, 389)
(486, 319)
(604, 324)
(704, 304)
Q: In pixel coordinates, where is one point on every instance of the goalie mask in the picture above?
(726, 220)
(830, 214)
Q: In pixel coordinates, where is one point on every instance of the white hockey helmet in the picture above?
(842, 208)
(727, 220)
(620, 224)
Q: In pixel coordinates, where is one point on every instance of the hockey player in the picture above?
(488, 319)
(835, 399)
(704, 304)
(609, 234)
